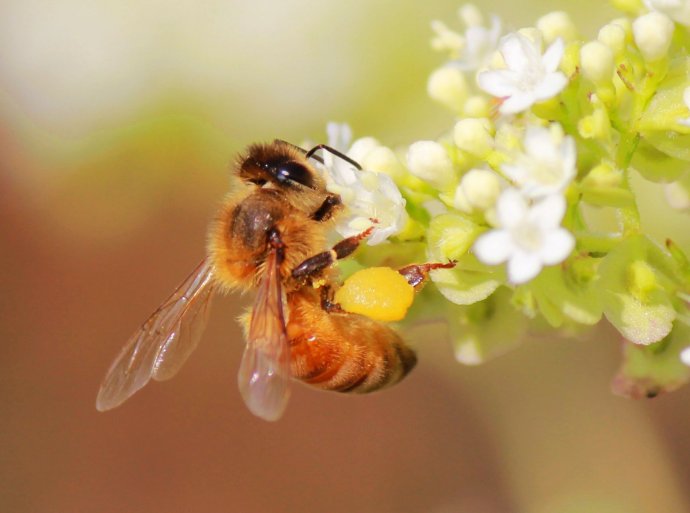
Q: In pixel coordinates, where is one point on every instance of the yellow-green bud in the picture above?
(557, 24)
(429, 161)
(477, 107)
(641, 280)
(652, 33)
(448, 86)
(478, 191)
(597, 63)
(677, 195)
(630, 6)
(452, 235)
(446, 39)
(603, 175)
(595, 125)
(613, 36)
(473, 135)
(470, 15)
(383, 160)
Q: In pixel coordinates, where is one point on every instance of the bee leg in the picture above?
(417, 274)
(327, 208)
(327, 302)
(314, 265)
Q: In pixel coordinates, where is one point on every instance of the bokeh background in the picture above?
(118, 121)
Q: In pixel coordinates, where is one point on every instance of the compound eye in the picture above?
(295, 172)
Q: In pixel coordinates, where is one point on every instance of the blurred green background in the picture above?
(118, 124)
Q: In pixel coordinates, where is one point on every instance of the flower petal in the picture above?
(511, 208)
(557, 246)
(515, 49)
(548, 212)
(553, 55)
(518, 102)
(523, 266)
(499, 83)
(550, 86)
(493, 247)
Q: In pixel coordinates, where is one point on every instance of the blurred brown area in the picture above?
(104, 207)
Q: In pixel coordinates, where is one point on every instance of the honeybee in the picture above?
(270, 236)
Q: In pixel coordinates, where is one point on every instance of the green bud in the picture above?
(450, 236)
(628, 6)
(486, 329)
(634, 302)
(641, 280)
(648, 371)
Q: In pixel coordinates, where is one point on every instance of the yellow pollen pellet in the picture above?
(380, 293)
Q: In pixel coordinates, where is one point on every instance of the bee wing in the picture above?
(264, 373)
(163, 343)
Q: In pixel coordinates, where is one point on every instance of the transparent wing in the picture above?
(264, 373)
(163, 343)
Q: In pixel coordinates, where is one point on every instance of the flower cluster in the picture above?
(550, 130)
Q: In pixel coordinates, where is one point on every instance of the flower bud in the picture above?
(383, 160)
(652, 33)
(448, 86)
(596, 125)
(597, 63)
(478, 190)
(613, 36)
(630, 6)
(677, 10)
(470, 15)
(361, 148)
(532, 33)
(446, 39)
(603, 175)
(477, 106)
(429, 161)
(678, 193)
(557, 24)
(451, 236)
(641, 280)
(473, 135)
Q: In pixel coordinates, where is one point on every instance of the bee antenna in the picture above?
(335, 152)
(300, 149)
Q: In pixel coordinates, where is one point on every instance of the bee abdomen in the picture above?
(362, 358)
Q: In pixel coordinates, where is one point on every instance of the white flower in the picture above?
(473, 49)
(529, 76)
(480, 44)
(678, 10)
(366, 195)
(686, 100)
(528, 237)
(547, 165)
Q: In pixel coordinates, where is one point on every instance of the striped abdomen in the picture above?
(343, 352)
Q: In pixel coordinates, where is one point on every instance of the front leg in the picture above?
(327, 208)
(417, 274)
(314, 265)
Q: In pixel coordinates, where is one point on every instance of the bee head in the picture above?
(279, 164)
